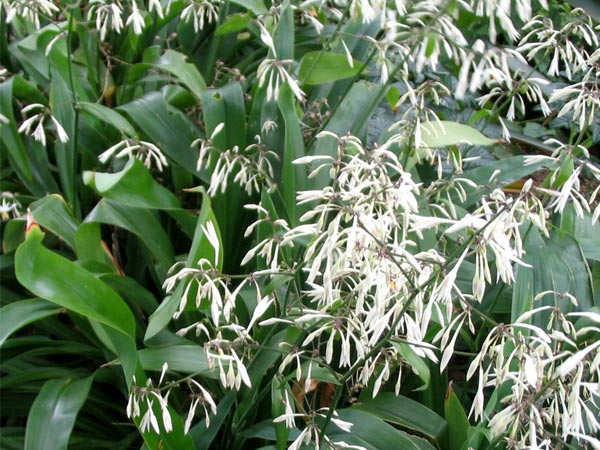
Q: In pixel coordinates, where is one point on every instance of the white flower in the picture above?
(30, 10)
(147, 152)
(107, 16)
(200, 12)
(203, 398)
(38, 120)
(273, 73)
(584, 102)
(211, 235)
(10, 206)
(136, 19)
(155, 5)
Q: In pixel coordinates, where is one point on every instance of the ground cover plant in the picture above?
(286, 225)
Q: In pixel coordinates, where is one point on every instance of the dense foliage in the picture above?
(329, 224)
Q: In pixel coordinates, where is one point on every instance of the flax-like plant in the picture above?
(293, 225)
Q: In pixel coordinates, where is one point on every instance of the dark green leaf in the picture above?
(52, 213)
(181, 358)
(175, 63)
(109, 116)
(233, 24)
(372, 432)
(458, 423)
(508, 170)
(133, 186)
(293, 179)
(140, 222)
(166, 127)
(445, 133)
(322, 67)
(558, 265)
(18, 314)
(59, 280)
(403, 411)
(53, 414)
(256, 6)
(204, 436)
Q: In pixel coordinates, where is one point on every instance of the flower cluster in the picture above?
(146, 152)
(38, 121)
(143, 398)
(10, 206)
(547, 379)
(252, 166)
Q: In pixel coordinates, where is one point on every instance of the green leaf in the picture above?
(90, 247)
(30, 164)
(353, 115)
(175, 63)
(200, 248)
(52, 213)
(284, 33)
(67, 155)
(12, 236)
(322, 67)
(292, 175)
(109, 116)
(431, 45)
(181, 358)
(419, 367)
(507, 171)
(278, 406)
(392, 96)
(458, 423)
(173, 440)
(407, 413)
(225, 105)
(54, 411)
(166, 127)
(583, 230)
(233, 24)
(140, 222)
(476, 436)
(204, 436)
(557, 264)
(55, 278)
(373, 433)
(18, 314)
(256, 6)
(132, 186)
(445, 134)
(164, 313)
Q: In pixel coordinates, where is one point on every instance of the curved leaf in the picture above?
(18, 314)
(109, 116)
(233, 24)
(200, 248)
(292, 180)
(63, 282)
(373, 433)
(444, 133)
(132, 186)
(458, 423)
(557, 264)
(53, 413)
(175, 63)
(405, 412)
(322, 67)
(52, 213)
(140, 222)
(181, 358)
(166, 127)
